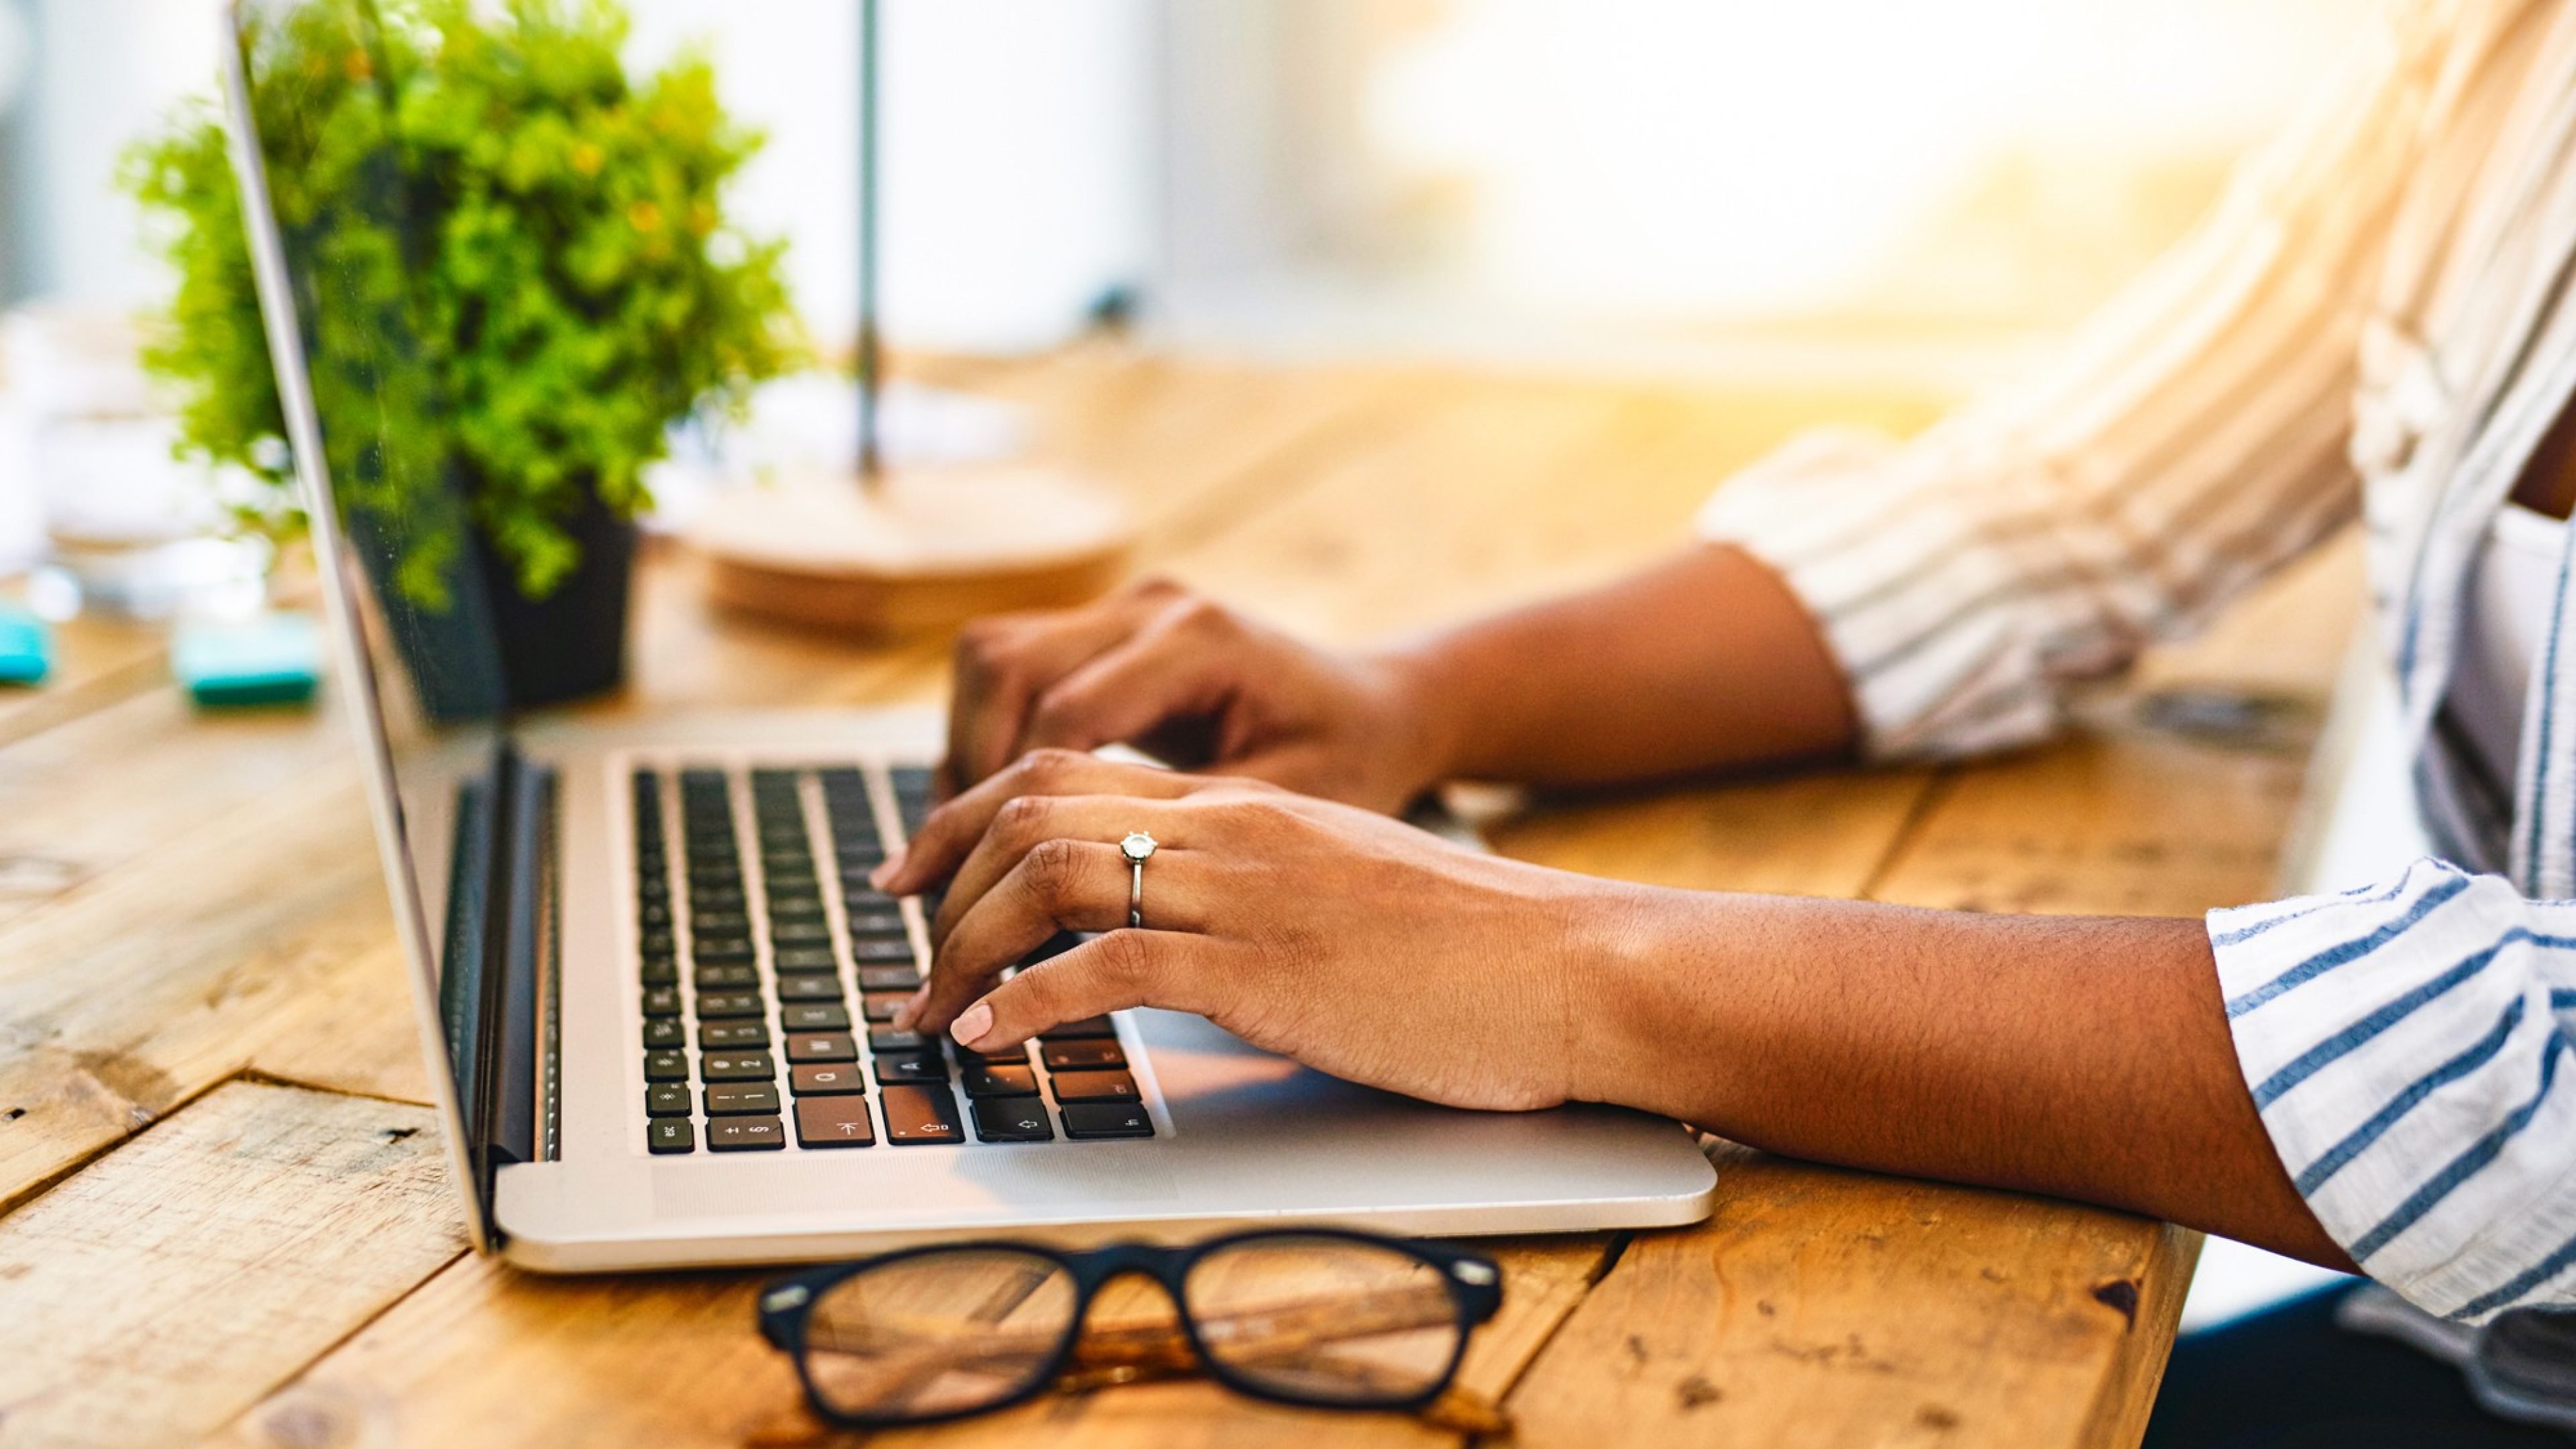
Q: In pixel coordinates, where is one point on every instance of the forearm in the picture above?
(2087, 1058)
(1703, 662)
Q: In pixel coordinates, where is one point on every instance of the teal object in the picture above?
(26, 647)
(266, 659)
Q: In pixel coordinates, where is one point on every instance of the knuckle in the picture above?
(1052, 866)
(1045, 771)
(1156, 586)
(1127, 960)
(1023, 818)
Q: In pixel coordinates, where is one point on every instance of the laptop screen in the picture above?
(335, 238)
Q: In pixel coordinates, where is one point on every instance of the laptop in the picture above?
(654, 985)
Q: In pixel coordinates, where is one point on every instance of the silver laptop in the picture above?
(653, 983)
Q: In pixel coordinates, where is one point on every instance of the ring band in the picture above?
(1137, 847)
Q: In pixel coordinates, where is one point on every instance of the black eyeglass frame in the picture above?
(1475, 1284)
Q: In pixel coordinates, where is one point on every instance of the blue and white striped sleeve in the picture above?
(2403, 1044)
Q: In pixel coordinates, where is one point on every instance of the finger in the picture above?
(1108, 973)
(1026, 822)
(1004, 663)
(1063, 885)
(942, 843)
(1170, 668)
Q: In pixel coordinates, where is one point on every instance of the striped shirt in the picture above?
(2374, 323)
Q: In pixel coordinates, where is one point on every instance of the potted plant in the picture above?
(554, 250)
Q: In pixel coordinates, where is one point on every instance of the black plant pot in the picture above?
(571, 644)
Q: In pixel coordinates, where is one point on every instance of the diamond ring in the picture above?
(1137, 847)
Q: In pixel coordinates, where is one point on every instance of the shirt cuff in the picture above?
(2400, 1042)
(1894, 561)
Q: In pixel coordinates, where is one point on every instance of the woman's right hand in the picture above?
(1192, 683)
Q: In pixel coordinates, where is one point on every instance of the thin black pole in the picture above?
(870, 463)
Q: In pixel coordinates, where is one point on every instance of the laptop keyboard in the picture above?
(771, 970)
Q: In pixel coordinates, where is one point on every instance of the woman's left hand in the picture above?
(1351, 942)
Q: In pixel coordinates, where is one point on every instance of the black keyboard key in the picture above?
(889, 978)
(882, 950)
(722, 1005)
(834, 1122)
(659, 971)
(1087, 1029)
(916, 1115)
(708, 925)
(1080, 1056)
(808, 988)
(886, 922)
(795, 908)
(655, 943)
(667, 1099)
(858, 857)
(880, 1005)
(654, 890)
(733, 1035)
(798, 879)
(663, 1032)
(1103, 1119)
(1072, 1087)
(815, 1018)
(746, 1134)
(1017, 1056)
(887, 1039)
(727, 978)
(740, 1099)
(736, 1067)
(662, 1001)
(666, 1135)
(715, 873)
(1012, 1119)
(999, 1081)
(784, 934)
(805, 958)
(822, 1046)
(721, 949)
(826, 1079)
(666, 1066)
(654, 915)
(717, 898)
(921, 1066)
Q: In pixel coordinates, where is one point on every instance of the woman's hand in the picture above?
(1193, 683)
(1351, 942)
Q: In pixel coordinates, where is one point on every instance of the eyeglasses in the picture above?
(1321, 1318)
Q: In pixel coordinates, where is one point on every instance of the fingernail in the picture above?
(971, 1027)
(887, 869)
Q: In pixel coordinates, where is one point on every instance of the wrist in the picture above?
(1615, 1017)
(1429, 713)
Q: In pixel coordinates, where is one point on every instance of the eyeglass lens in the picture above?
(938, 1334)
(1326, 1320)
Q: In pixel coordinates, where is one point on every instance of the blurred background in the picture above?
(1704, 184)
(1847, 193)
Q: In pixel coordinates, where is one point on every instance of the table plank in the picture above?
(152, 1299)
(1831, 1307)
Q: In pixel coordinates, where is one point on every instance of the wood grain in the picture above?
(1832, 1307)
(96, 663)
(153, 1298)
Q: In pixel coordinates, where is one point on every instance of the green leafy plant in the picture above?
(525, 271)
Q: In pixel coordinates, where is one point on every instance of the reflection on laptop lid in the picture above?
(416, 648)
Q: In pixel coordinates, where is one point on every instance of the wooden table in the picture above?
(222, 1209)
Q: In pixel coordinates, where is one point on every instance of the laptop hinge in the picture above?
(516, 950)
